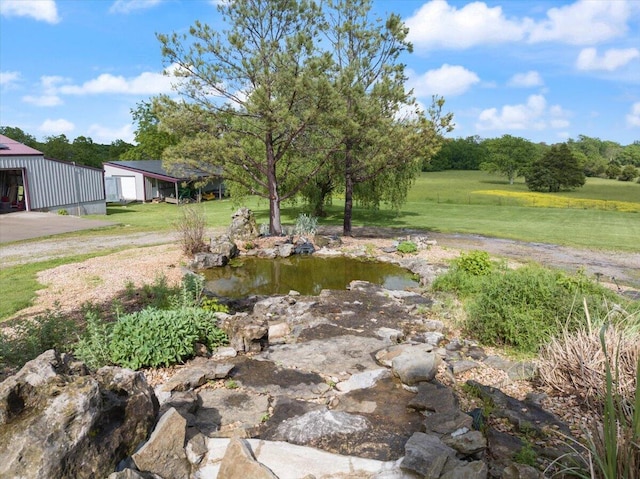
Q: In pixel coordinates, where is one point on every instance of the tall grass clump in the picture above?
(466, 274)
(191, 228)
(600, 364)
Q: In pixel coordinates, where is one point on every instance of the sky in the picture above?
(546, 71)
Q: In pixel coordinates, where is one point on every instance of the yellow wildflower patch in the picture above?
(546, 200)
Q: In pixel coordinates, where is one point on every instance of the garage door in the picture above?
(128, 187)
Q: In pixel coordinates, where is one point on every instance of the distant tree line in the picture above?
(81, 150)
(514, 156)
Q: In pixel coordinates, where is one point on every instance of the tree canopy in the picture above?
(557, 170)
(509, 156)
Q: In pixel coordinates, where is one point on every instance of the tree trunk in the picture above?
(275, 227)
(348, 190)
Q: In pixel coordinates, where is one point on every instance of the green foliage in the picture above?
(522, 308)
(92, 347)
(306, 225)
(153, 337)
(557, 170)
(628, 173)
(31, 337)
(476, 263)
(231, 384)
(407, 247)
(526, 455)
(63, 212)
(509, 156)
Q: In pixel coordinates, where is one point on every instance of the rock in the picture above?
(131, 474)
(414, 366)
(390, 335)
(472, 470)
(224, 246)
(246, 333)
(239, 463)
(196, 449)
(243, 226)
(223, 352)
(362, 380)
(304, 247)
(57, 421)
(286, 250)
(385, 356)
(426, 454)
(430, 337)
(224, 412)
(278, 333)
(467, 443)
(521, 471)
(448, 422)
(321, 426)
(516, 370)
(327, 241)
(163, 453)
(460, 366)
(196, 373)
(434, 397)
(208, 260)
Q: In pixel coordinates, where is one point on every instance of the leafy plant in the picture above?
(306, 225)
(153, 337)
(526, 455)
(231, 384)
(476, 263)
(63, 212)
(92, 347)
(407, 247)
(31, 337)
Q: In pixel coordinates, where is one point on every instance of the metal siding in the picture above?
(52, 183)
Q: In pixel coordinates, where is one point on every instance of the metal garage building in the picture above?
(31, 182)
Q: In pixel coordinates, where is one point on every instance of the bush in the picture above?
(191, 228)
(525, 307)
(628, 173)
(407, 247)
(476, 263)
(155, 338)
(306, 225)
(31, 337)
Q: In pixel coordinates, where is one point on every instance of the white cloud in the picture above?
(41, 10)
(525, 80)
(43, 100)
(533, 114)
(438, 24)
(56, 127)
(583, 22)
(147, 83)
(612, 59)
(128, 6)
(448, 80)
(106, 135)
(9, 78)
(633, 118)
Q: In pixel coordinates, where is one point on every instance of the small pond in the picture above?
(307, 274)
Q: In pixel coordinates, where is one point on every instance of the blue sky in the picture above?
(542, 70)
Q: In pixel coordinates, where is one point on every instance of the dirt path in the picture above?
(615, 267)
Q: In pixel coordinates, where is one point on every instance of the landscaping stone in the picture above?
(200, 371)
(239, 463)
(415, 365)
(427, 455)
(243, 226)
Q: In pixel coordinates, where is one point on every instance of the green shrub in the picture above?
(458, 281)
(63, 212)
(31, 337)
(476, 263)
(306, 225)
(524, 307)
(92, 347)
(407, 247)
(153, 337)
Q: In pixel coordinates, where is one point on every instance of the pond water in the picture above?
(307, 274)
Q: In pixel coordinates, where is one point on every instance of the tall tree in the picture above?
(20, 136)
(256, 90)
(509, 156)
(151, 141)
(57, 147)
(557, 170)
(377, 147)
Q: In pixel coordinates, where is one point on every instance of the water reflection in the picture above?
(306, 274)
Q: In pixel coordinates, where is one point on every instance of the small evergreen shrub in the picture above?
(407, 247)
(306, 225)
(153, 337)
